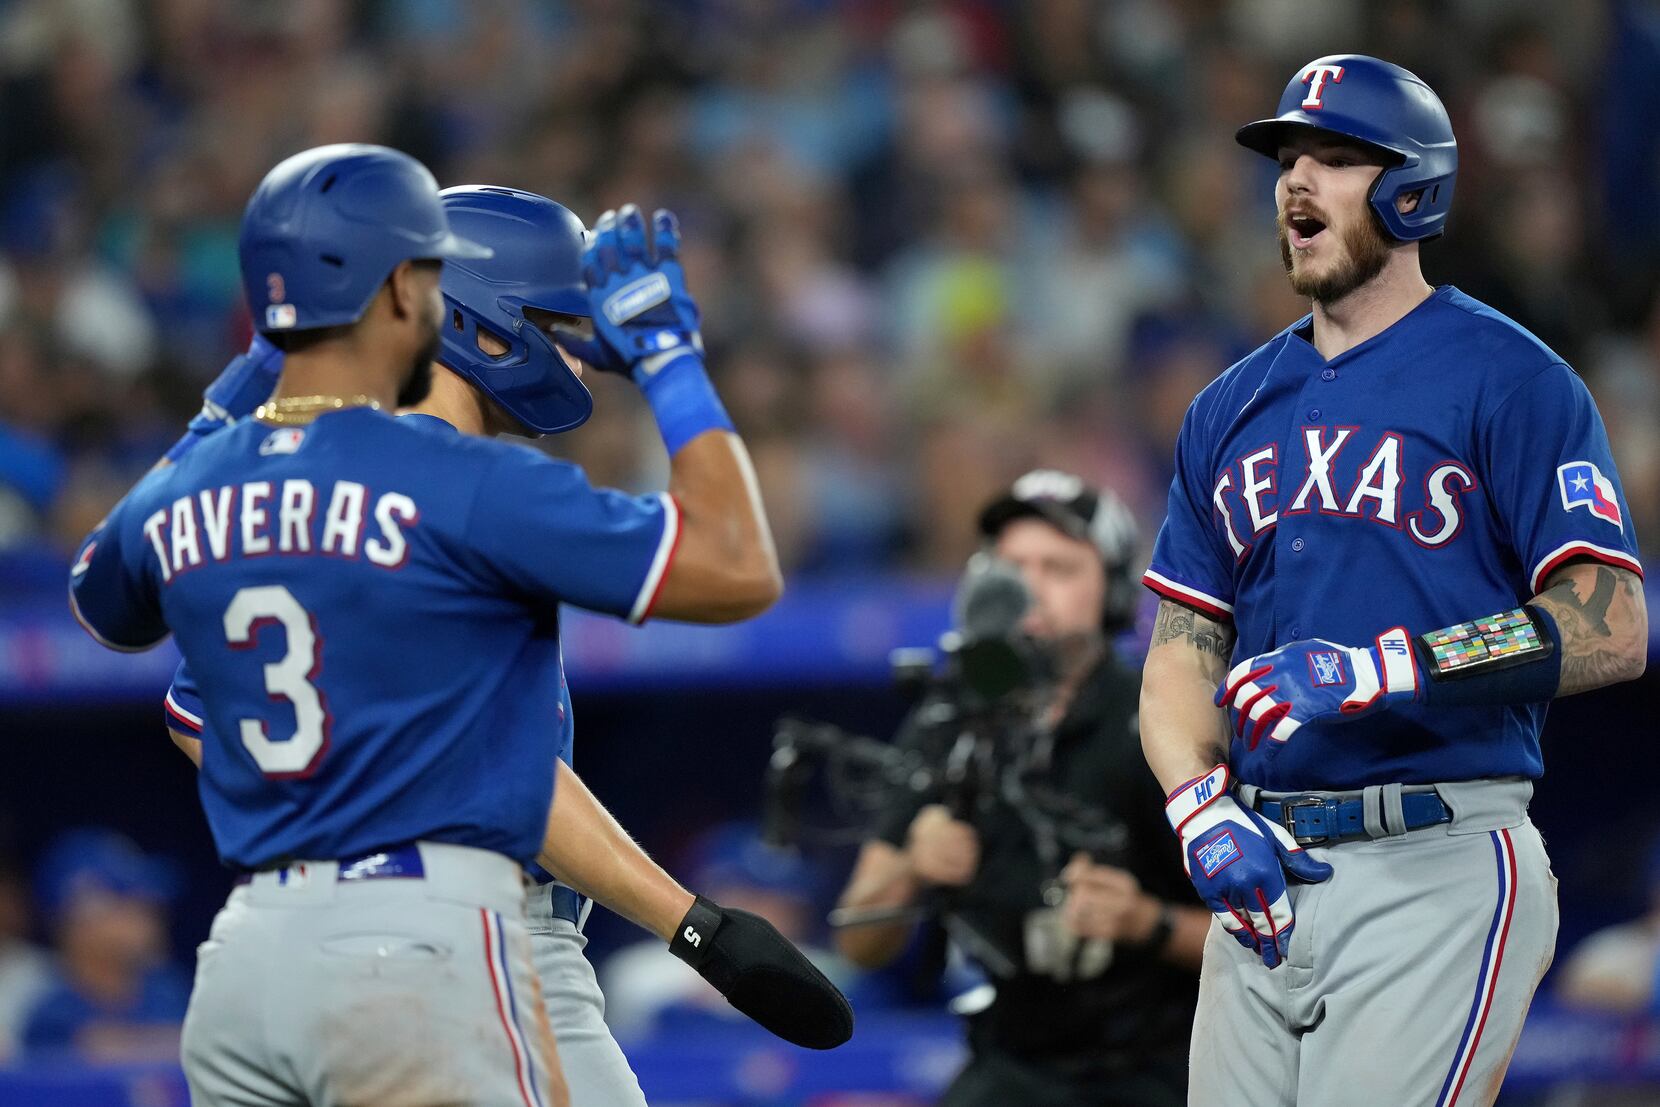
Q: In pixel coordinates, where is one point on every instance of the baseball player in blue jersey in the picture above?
(370, 607)
(1395, 533)
(499, 373)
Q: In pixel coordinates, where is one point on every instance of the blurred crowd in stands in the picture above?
(936, 241)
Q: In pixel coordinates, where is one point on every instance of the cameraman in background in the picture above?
(1099, 956)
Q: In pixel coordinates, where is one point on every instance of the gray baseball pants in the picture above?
(414, 992)
(1409, 975)
(595, 1069)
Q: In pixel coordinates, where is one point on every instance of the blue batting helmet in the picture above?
(537, 263)
(326, 227)
(1384, 107)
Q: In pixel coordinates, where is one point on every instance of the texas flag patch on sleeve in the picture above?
(1583, 485)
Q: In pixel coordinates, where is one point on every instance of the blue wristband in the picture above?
(1532, 681)
(684, 401)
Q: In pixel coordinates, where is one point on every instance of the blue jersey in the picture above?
(186, 713)
(370, 607)
(1435, 473)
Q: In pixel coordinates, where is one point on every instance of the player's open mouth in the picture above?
(1303, 230)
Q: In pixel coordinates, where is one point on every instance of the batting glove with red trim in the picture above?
(1239, 862)
(1273, 694)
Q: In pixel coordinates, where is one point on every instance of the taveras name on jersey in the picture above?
(257, 518)
(369, 607)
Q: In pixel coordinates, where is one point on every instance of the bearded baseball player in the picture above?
(499, 373)
(369, 605)
(1395, 533)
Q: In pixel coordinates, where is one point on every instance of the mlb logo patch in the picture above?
(1326, 668)
(281, 317)
(1217, 854)
(283, 441)
(1583, 485)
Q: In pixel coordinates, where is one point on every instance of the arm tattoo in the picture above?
(1596, 652)
(1176, 623)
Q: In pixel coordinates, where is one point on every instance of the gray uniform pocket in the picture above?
(384, 947)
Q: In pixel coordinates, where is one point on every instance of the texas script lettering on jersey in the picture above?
(1246, 493)
(261, 517)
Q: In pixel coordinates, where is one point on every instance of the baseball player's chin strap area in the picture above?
(1512, 657)
(763, 975)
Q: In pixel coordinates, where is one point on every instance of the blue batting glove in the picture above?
(235, 394)
(644, 318)
(1238, 861)
(1273, 694)
(646, 323)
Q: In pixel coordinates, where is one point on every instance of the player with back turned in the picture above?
(499, 372)
(370, 608)
(1394, 534)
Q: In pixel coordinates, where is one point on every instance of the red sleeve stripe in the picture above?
(1569, 550)
(180, 715)
(659, 571)
(1192, 597)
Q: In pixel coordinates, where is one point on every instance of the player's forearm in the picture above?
(1183, 733)
(726, 567)
(587, 849)
(882, 878)
(1602, 617)
(188, 744)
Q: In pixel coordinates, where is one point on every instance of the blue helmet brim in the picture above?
(1266, 136)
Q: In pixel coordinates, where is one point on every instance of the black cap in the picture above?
(1070, 505)
(1080, 510)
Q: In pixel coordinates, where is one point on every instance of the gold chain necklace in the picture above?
(290, 410)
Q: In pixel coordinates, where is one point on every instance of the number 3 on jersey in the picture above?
(288, 678)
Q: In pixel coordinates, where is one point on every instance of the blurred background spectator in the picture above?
(25, 970)
(1614, 969)
(930, 237)
(113, 994)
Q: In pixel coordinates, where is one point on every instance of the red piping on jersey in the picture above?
(1585, 549)
(179, 716)
(668, 562)
(1187, 600)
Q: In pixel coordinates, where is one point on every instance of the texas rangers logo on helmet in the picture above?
(1316, 79)
(1583, 485)
(1326, 668)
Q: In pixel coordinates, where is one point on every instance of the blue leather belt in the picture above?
(399, 862)
(567, 904)
(1314, 820)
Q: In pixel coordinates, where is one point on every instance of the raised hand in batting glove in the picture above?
(763, 975)
(644, 318)
(246, 382)
(1273, 694)
(1239, 862)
